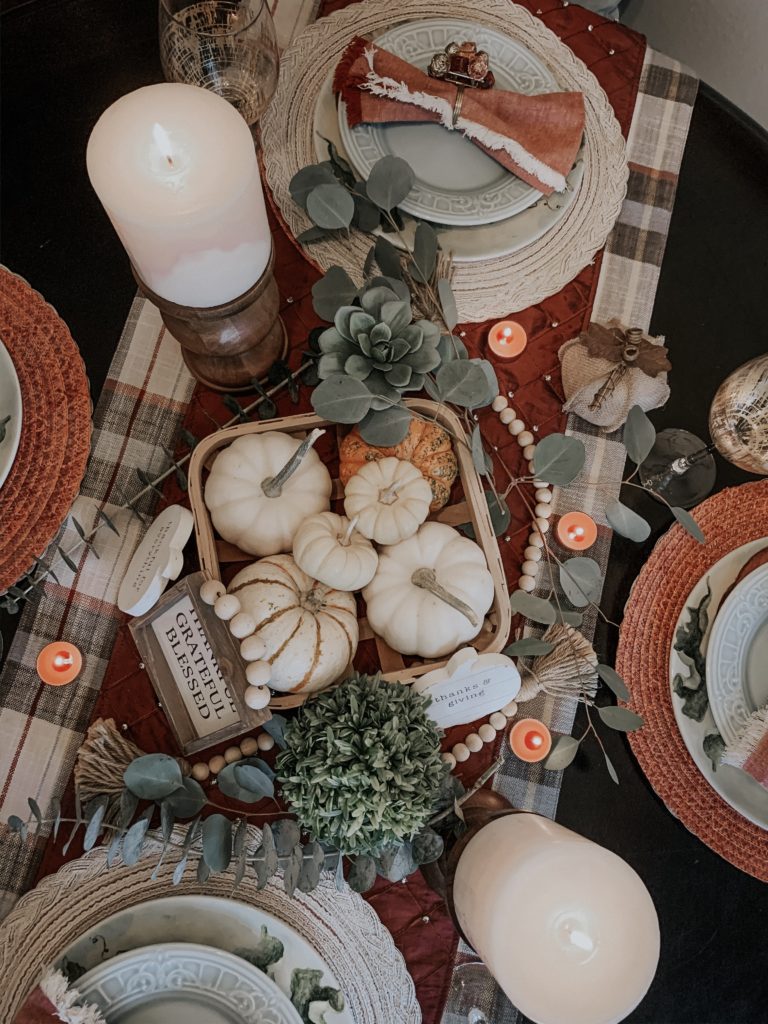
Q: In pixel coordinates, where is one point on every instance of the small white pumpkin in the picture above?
(329, 548)
(390, 499)
(430, 592)
(262, 486)
(309, 630)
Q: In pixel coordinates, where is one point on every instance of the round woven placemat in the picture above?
(729, 519)
(56, 428)
(485, 288)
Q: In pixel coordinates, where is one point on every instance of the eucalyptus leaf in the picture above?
(339, 874)
(558, 459)
(581, 580)
(480, 458)
(268, 850)
(611, 769)
(307, 179)
(336, 288)
(203, 871)
(396, 863)
(16, 824)
(95, 815)
(275, 727)
(368, 264)
(627, 522)
(639, 435)
(462, 383)
(362, 874)
(387, 427)
(388, 258)
(312, 866)
(292, 870)
(367, 216)
(500, 514)
(422, 264)
(491, 379)
(128, 804)
(287, 834)
(341, 399)
(114, 848)
(178, 871)
(133, 841)
(312, 235)
(574, 619)
(331, 206)
(563, 753)
(689, 524)
(249, 785)
(33, 806)
(620, 719)
(153, 776)
(217, 842)
(389, 182)
(186, 801)
(447, 303)
(427, 846)
(613, 681)
(534, 608)
(528, 646)
(450, 347)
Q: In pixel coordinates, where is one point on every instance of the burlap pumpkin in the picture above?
(602, 383)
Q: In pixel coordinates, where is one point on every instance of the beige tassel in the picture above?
(570, 670)
(54, 987)
(101, 762)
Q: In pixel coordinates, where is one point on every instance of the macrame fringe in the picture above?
(738, 753)
(54, 987)
(570, 670)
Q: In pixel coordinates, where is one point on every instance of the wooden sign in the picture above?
(471, 686)
(195, 667)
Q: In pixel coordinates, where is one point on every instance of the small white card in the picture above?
(158, 559)
(471, 686)
(193, 666)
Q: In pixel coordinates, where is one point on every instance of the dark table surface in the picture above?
(65, 61)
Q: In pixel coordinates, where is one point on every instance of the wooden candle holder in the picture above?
(226, 346)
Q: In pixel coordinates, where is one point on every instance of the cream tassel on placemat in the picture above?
(570, 670)
(55, 988)
(746, 746)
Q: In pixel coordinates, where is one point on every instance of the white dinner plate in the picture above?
(456, 182)
(184, 983)
(227, 924)
(737, 656)
(738, 789)
(10, 406)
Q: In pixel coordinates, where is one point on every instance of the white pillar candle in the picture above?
(176, 170)
(566, 927)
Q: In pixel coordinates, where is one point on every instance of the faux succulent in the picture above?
(362, 768)
(381, 345)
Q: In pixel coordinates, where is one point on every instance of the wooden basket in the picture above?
(471, 507)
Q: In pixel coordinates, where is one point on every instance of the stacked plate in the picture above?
(202, 956)
(735, 642)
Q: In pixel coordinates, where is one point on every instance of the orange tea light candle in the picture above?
(577, 531)
(507, 339)
(530, 740)
(59, 663)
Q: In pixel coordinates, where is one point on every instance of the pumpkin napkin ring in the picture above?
(464, 65)
(609, 368)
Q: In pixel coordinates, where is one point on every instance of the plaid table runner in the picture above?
(140, 410)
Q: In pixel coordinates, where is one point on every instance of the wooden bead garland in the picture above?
(486, 733)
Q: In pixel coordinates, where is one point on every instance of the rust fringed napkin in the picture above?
(535, 137)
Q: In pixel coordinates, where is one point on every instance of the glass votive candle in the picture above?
(530, 740)
(507, 339)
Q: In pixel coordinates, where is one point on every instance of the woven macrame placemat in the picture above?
(485, 288)
(56, 427)
(729, 519)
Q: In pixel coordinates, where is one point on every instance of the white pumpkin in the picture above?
(263, 486)
(430, 592)
(390, 499)
(309, 630)
(329, 548)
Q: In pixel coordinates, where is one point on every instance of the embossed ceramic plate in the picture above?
(228, 924)
(183, 983)
(10, 406)
(737, 788)
(456, 183)
(737, 656)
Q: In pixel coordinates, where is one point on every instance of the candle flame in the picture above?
(507, 332)
(62, 661)
(163, 142)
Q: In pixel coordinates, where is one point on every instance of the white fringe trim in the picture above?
(54, 986)
(756, 729)
(388, 88)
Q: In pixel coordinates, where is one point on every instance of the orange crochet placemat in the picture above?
(729, 519)
(56, 426)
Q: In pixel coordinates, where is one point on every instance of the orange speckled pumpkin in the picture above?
(426, 445)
